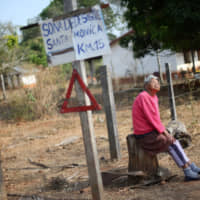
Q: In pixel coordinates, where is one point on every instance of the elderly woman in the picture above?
(151, 133)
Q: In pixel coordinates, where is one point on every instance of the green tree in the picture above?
(11, 41)
(34, 51)
(37, 54)
(7, 29)
(55, 8)
(165, 24)
(9, 51)
(31, 33)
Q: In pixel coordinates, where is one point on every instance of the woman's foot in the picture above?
(194, 168)
(190, 175)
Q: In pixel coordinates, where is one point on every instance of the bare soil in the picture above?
(63, 171)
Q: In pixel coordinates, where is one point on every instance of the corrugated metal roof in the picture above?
(22, 70)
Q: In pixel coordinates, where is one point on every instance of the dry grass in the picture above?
(35, 103)
(50, 88)
(37, 141)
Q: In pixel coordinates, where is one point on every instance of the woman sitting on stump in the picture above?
(150, 132)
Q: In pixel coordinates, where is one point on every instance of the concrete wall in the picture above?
(149, 63)
(123, 64)
(120, 61)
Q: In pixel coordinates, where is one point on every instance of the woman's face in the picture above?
(154, 85)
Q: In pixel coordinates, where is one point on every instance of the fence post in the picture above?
(109, 106)
(171, 92)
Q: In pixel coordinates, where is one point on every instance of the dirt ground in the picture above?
(35, 162)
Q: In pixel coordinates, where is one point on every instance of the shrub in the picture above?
(35, 103)
(17, 109)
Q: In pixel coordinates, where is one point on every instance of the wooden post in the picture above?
(15, 81)
(3, 195)
(19, 80)
(109, 106)
(87, 125)
(9, 81)
(171, 92)
(3, 86)
(91, 67)
(159, 67)
(139, 160)
(89, 139)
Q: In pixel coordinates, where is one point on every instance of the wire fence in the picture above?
(187, 101)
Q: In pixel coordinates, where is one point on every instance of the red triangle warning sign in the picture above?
(94, 105)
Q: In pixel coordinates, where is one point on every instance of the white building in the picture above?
(122, 63)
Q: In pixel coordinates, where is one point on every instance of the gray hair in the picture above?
(149, 78)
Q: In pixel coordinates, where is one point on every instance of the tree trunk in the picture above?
(193, 63)
(139, 160)
(3, 86)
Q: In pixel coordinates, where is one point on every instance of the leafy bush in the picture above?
(35, 52)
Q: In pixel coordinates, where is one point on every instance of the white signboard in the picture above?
(89, 35)
(76, 38)
(57, 36)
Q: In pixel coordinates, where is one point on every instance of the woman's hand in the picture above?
(167, 134)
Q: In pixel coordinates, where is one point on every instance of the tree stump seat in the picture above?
(139, 160)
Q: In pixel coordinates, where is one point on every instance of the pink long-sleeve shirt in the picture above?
(146, 115)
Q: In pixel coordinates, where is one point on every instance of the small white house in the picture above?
(122, 63)
(21, 77)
